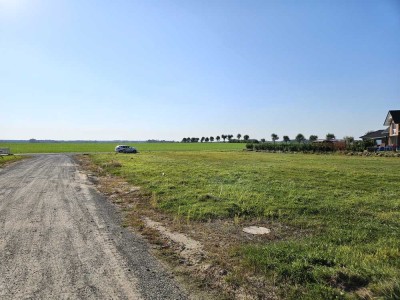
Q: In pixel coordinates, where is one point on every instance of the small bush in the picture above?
(249, 146)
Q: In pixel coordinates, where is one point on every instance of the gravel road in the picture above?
(61, 239)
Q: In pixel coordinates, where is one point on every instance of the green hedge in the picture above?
(357, 146)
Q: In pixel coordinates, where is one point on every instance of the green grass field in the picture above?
(344, 213)
(8, 158)
(20, 148)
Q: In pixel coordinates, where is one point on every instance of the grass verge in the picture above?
(334, 219)
(5, 159)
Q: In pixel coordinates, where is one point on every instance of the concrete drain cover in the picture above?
(256, 230)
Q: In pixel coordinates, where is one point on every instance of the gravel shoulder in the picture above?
(61, 239)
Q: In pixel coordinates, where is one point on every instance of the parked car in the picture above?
(125, 149)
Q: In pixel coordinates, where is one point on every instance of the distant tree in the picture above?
(313, 138)
(184, 140)
(262, 140)
(218, 138)
(202, 139)
(349, 140)
(286, 139)
(211, 138)
(330, 136)
(207, 139)
(300, 138)
(246, 137)
(238, 136)
(193, 140)
(224, 137)
(33, 141)
(274, 137)
(188, 139)
(230, 136)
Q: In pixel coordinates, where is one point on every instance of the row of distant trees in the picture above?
(218, 138)
(300, 138)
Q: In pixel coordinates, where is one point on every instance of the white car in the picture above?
(125, 149)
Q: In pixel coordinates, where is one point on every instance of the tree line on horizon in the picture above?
(218, 138)
(300, 138)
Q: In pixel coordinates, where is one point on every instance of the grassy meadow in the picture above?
(344, 213)
(21, 148)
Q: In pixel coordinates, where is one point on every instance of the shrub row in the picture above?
(358, 146)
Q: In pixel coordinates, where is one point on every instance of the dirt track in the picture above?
(60, 239)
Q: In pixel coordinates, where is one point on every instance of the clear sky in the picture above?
(138, 70)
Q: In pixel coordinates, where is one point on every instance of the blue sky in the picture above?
(139, 70)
